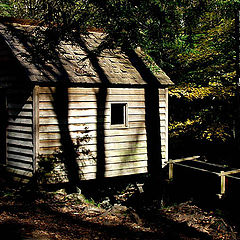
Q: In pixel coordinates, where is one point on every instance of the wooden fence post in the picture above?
(223, 182)
(170, 169)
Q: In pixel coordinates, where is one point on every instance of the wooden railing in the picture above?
(221, 174)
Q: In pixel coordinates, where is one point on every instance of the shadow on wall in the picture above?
(61, 106)
(101, 97)
(14, 77)
(152, 121)
(60, 97)
(13, 99)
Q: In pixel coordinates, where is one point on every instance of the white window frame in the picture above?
(125, 116)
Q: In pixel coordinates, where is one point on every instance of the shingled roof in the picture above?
(116, 66)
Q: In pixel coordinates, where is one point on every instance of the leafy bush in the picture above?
(51, 167)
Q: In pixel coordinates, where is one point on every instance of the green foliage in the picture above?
(51, 167)
(5, 9)
(192, 41)
(191, 93)
(202, 113)
(204, 50)
(203, 99)
(46, 166)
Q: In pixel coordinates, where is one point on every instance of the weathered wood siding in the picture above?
(163, 108)
(20, 132)
(125, 148)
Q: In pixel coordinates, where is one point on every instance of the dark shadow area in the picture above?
(54, 221)
(60, 104)
(152, 122)
(192, 184)
(13, 76)
(13, 230)
(12, 73)
(101, 97)
(203, 189)
(166, 229)
(3, 126)
(15, 91)
(197, 129)
(220, 153)
(60, 99)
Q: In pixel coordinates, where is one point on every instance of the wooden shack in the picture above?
(107, 101)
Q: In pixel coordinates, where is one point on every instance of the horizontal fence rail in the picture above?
(221, 174)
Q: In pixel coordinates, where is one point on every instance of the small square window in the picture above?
(119, 114)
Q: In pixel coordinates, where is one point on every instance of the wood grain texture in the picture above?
(125, 148)
(20, 131)
(35, 126)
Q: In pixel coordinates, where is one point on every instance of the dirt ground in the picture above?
(60, 215)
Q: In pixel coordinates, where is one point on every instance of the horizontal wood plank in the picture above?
(50, 90)
(19, 128)
(55, 144)
(108, 147)
(89, 112)
(124, 172)
(19, 135)
(19, 142)
(78, 127)
(20, 114)
(93, 105)
(108, 139)
(117, 159)
(114, 166)
(17, 149)
(25, 106)
(90, 119)
(20, 121)
(92, 98)
(121, 135)
(16, 166)
(21, 173)
(93, 133)
(18, 157)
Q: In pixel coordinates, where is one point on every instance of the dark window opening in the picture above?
(118, 114)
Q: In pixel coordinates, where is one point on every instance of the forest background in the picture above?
(193, 41)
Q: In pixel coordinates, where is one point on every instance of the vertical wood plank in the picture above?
(166, 126)
(35, 126)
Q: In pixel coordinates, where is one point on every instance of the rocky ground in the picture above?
(58, 215)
